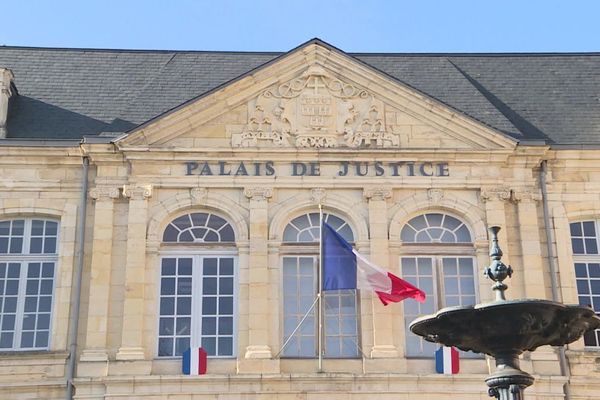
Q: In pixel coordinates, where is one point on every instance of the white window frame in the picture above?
(311, 249)
(438, 277)
(587, 259)
(24, 258)
(197, 295)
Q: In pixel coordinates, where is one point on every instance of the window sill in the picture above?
(31, 354)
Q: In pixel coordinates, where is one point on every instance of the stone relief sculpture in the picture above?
(315, 110)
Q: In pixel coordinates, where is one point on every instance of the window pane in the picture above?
(167, 286)
(166, 326)
(225, 346)
(209, 286)
(209, 325)
(165, 347)
(41, 339)
(209, 305)
(209, 344)
(581, 270)
(577, 246)
(576, 229)
(6, 340)
(181, 345)
(589, 229)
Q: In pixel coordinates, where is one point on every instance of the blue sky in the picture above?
(260, 25)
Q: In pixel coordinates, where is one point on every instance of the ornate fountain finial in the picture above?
(497, 271)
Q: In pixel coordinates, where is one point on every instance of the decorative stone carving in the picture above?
(317, 195)
(435, 195)
(377, 193)
(315, 110)
(495, 193)
(198, 195)
(258, 193)
(137, 192)
(104, 192)
(527, 194)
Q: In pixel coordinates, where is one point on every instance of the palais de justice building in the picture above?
(155, 200)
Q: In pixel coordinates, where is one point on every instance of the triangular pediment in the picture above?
(315, 97)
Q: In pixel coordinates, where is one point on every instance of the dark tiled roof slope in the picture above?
(70, 93)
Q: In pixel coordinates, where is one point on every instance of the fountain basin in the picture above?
(506, 326)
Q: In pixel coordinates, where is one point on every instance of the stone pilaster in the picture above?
(383, 336)
(97, 321)
(133, 304)
(527, 200)
(260, 310)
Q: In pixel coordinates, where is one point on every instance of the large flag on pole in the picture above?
(345, 268)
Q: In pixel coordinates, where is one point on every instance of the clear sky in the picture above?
(262, 25)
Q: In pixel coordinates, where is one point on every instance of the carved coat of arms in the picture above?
(315, 110)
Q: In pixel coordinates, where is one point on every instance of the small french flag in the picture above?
(446, 360)
(194, 361)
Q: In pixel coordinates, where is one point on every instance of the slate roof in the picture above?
(71, 93)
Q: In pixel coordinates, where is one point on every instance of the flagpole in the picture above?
(320, 290)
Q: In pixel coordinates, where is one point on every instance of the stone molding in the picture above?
(137, 192)
(258, 193)
(377, 193)
(104, 193)
(527, 194)
(495, 194)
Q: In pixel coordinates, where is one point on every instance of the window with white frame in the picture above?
(198, 286)
(28, 258)
(300, 260)
(438, 258)
(584, 241)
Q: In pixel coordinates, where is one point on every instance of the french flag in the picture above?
(194, 361)
(446, 360)
(345, 268)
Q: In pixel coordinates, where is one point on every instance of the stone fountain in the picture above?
(504, 328)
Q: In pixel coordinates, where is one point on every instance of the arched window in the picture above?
(585, 242)
(438, 258)
(198, 286)
(300, 261)
(28, 257)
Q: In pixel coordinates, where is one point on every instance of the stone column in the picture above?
(383, 334)
(531, 246)
(258, 351)
(133, 303)
(494, 199)
(543, 360)
(97, 321)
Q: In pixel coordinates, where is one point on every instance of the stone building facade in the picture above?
(200, 224)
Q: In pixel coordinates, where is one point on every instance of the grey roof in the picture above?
(71, 93)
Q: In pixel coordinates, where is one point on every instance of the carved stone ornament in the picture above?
(315, 110)
(258, 193)
(198, 195)
(317, 195)
(137, 192)
(377, 193)
(527, 194)
(104, 193)
(495, 194)
(435, 195)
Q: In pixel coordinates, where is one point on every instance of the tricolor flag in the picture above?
(345, 268)
(194, 361)
(446, 360)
